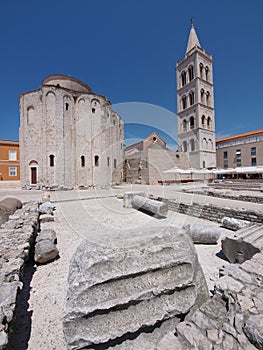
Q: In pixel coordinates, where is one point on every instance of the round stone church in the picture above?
(69, 136)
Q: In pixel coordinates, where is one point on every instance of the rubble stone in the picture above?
(45, 251)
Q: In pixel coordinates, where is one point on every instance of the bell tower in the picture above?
(195, 104)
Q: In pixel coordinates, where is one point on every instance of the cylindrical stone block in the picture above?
(150, 205)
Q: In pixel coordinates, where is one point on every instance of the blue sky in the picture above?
(127, 51)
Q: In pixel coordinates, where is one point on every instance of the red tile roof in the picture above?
(249, 133)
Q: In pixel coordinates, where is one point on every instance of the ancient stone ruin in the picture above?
(118, 295)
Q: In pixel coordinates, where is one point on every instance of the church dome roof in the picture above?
(67, 82)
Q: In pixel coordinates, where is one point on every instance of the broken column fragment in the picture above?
(151, 206)
(202, 234)
(234, 224)
(244, 244)
(115, 293)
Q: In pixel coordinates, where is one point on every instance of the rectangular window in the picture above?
(253, 151)
(13, 171)
(238, 152)
(12, 155)
(226, 163)
(108, 161)
(225, 155)
(238, 162)
(254, 161)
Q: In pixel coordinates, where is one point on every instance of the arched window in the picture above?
(206, 72)
(183, 77)
(184, 125)
(210, 144)
(192, 98)
(207, 97)
(184, 101)
(184, 146)
(66, 106)
(51, 160)
(30, 115)
(192, 145)
(202, 91)
(191, 72)
(82, 161)
(96, 160)
(192, 122)
(201, 66)
(204, 143)
(208, 122)
(203, 120)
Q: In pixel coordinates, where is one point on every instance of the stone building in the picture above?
(242, 150)
(146, 161)
(69, 136)
(9, 160)
(195, 105)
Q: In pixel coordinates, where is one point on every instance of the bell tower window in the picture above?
(191, 73)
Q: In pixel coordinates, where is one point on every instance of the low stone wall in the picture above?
(238, 185)
(240, 197)
(17, 236)
(213, 212)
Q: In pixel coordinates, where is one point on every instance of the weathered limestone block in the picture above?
(203, 234)
(245, 243)
(45, 251)
(46, 218)
(157, 208)
(47, 234)
(115, 292)
(47, 208)
(7, 207)
(234, 224)
(128, 196)
(254, 330)
(148, 340)
(8, 293)
(3, 340)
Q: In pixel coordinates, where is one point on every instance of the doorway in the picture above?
(33, 175)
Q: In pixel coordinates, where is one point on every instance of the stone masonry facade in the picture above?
(69, 136)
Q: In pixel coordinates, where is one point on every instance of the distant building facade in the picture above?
(242, 150)
(69, 136)
(195, 105)
(9, 160)
(146, 161)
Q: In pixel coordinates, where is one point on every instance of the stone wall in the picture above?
(16, 238)
(213, 212)
(221, 194)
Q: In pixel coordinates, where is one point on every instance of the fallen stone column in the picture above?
(159, 209)
(202, 234)
(234, 224)
(245, 243)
